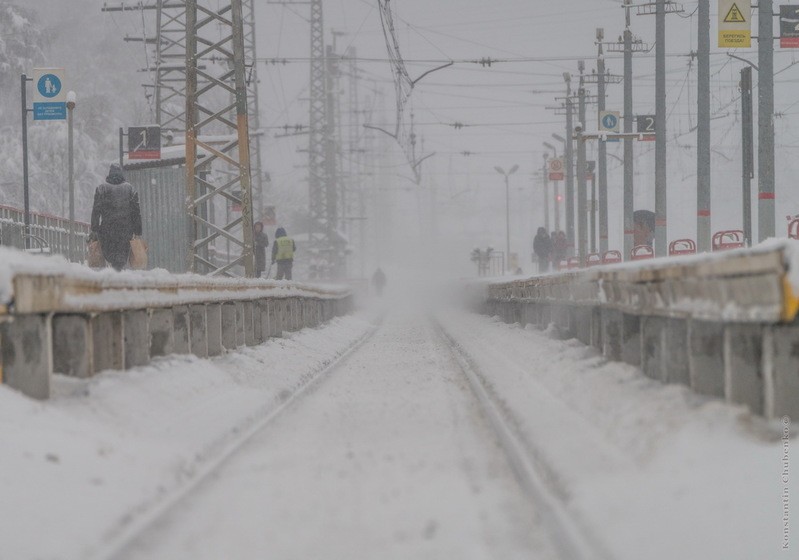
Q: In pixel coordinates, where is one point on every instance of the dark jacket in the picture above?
(116, 218)
(542, 245)
(261, 242)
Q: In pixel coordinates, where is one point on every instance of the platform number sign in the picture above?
(49, 95)
(789, 27)
(144, 142)
(646, 126)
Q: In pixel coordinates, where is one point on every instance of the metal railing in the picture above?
(48, 233)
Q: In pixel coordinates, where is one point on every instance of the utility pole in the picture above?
(602, 151)
(661, 209)
(659, 9)
(703, 233)
(220, 31)
(765, 120)
(546, 193)
(628, 45)
(629, 197)
(582, 190)
(747, 156)
(337, 266)
(557, 192)
(569, 165)
(601, 78)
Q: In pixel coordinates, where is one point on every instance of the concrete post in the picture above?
(108, 343)
(612, 321)
(26, 350)
(199, 340)
(181, 331)
(653, 347)
(265, 306)
(782, 386)
(259, 333)
(249, 323)
(229, 326)
(162, 332)
(240, 328)
(706, 357)
(631, 340)
(582, 324)
(596, 328)
(72, 345)
(213, 329)
(136, 337)
(675, 353)
(743, 366)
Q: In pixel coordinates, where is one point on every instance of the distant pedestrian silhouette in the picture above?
(379, 281)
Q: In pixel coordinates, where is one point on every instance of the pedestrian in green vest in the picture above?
(283, 253)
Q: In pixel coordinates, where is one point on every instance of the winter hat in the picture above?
(280, 232)
(115, 174)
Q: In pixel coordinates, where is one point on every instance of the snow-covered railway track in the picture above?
(138, 522)
(395, 455)
(571, 541)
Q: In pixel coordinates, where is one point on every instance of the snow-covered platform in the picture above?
(724, 324)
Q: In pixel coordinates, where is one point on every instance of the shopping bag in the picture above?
(95, 257)
(138, 254)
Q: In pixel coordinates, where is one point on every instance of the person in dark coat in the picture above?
(542, 246)
(283, 254)
(560, 247)
(379, 281)
(643, 227)
(116, 217)
(260, 243)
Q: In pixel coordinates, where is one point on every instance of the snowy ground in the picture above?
(388, 455)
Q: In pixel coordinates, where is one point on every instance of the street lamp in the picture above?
(510, 172)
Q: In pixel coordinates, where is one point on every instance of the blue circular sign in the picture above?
(49, 85)
(609, 122)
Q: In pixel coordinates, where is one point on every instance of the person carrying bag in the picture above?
(116, 223)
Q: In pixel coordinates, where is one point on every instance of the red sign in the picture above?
(556, 170)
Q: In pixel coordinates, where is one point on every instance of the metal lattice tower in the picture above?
(168, 67)
(320, 223)
(217, 34)
(357, 207)
(250, 57)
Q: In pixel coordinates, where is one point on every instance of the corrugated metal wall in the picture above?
(162, 196)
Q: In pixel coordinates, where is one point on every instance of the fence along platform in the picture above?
(80, 322)
(724, 324)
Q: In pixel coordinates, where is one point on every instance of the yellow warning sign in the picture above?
(735, 15)
(735, 24)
